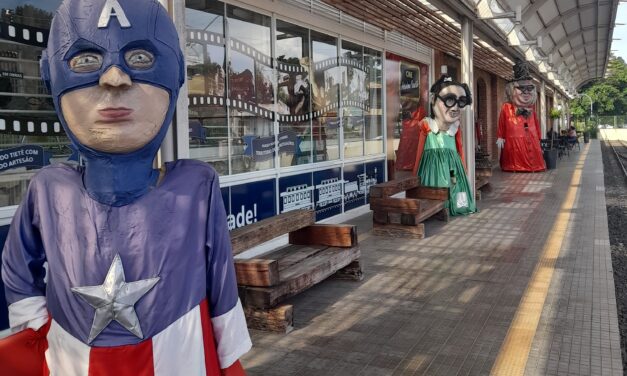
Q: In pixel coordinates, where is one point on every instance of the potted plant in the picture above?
(551, 153)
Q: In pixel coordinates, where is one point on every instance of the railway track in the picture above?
(621, 156)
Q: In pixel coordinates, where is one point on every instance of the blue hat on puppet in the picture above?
(112, 27)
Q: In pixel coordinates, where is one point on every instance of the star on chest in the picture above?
(115, 300)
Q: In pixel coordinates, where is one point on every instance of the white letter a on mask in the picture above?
(112, 9)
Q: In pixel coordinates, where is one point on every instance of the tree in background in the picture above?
(609, 94)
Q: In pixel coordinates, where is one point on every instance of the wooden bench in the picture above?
(482, 180)
(403, 217)
(315, 252)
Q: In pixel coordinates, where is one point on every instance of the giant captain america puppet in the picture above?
(114, 267)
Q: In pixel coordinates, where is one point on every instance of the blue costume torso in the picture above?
(176, 231)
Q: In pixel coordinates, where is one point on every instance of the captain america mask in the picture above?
(114, 69)
(89, 38)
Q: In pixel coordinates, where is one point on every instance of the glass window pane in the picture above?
(374, 102)
(354, 95)
(294, 94)
(28, 122)
(327, 77)
(251, 91)
(206, 79)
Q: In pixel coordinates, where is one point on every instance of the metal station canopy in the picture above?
(568, 41)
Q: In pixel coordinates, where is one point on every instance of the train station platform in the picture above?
(525, 286)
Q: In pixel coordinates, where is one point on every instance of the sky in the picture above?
(620, 32)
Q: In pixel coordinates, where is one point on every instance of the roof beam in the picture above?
(566, 15)
(532, 8)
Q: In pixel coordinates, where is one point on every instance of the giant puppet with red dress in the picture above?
(518, 134)
(114, 267)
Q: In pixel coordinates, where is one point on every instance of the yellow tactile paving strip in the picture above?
(515, 349)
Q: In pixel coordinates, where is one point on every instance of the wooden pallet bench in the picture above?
(315, 252)
(403, 217)
(482, 181)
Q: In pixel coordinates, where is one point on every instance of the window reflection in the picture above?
(28, 122)
(374, 109)
(251, 91)
(294, 94)
(206, 79)
(327, 77)
(303, 92)
(354, 95)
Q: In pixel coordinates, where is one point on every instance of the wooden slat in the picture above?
(425, 26)
(325, 234)
(483, 171)
(399, 231)
(395, 205)
(428, 193)
(393, 187)
(352, 272)
(291, 255)
(257, 272)
(279, 319)
(299, 278)
(481, 181)
(379, 216)
(429, 208)
(267, 229)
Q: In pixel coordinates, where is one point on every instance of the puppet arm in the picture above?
(535, 117)
(227, 315)
(502, 128)
(422, 139)
(460, 148)
(23, 269)
(22, 352)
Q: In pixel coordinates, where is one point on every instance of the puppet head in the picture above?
(114, 69)
(448, 98)
(521, 91)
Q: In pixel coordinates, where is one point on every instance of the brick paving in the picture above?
(443, 305)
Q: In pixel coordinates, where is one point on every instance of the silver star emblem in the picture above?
(115, 300)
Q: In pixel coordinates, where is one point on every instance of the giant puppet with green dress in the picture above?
(440, 158)
(518, 134)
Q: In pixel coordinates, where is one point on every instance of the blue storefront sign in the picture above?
(23, 156)
(329, 188)
(251, 203)
(263, 148)
(287, 142)
(295, 192)
(354, 186)
(375, 172)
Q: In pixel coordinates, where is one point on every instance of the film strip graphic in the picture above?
(324, 110)
(32, 36)
(290, 68)
(212, 100)
(249, 51)
(342, 61)
(33, 127)
(205, 37)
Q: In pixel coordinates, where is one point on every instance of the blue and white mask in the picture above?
(112, 30)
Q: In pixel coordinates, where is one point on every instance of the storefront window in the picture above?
(326, 82)
(407, 97)
(31, 135)
(354, 98)
(205, 55)
(374, 102)
(294, 94)
(251, 91)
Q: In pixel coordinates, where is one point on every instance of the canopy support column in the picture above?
(468, 118)
(542, 108)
